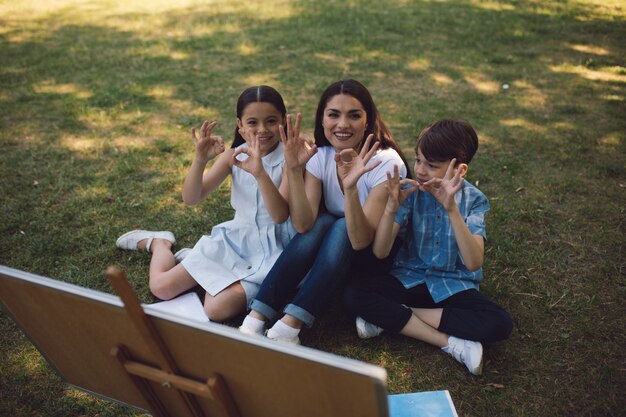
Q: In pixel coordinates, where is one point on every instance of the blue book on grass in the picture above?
(422, 404)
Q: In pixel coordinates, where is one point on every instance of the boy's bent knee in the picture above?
(505, 327)
(499, 327)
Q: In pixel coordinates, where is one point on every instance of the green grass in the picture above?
(96, 102)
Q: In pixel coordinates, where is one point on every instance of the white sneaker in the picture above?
(367, 330)
(130, 239)
(181, 254)
(468, 352)
(272, 334)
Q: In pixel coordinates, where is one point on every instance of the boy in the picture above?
(431, 292)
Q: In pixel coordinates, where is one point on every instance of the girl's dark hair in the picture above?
(257, 94)
(375, 124)
(446, 139)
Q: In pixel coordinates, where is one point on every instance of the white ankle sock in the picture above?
(254, 324)
(285, 330)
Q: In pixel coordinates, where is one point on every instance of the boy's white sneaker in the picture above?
(468, 352)
(273, 334)
(367, 330)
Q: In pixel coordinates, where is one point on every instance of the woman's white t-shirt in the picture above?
(323, 167)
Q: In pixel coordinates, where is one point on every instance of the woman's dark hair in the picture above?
(375, 124)
(446, 139)
(257, 94)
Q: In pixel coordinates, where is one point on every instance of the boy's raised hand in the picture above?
(352, 165)
(253, 163)
(398, 190)
(207, 146)
(444, 189)
(296, 148)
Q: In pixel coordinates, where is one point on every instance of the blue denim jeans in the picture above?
(325, 253)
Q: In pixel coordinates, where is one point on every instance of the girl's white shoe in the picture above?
(130, 239)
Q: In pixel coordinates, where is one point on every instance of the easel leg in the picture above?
(156, 407)
(220, 391)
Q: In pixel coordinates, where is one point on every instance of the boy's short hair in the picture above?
(446, 139)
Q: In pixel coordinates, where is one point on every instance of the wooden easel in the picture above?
(166, 373)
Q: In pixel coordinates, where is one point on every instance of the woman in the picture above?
(347, 166)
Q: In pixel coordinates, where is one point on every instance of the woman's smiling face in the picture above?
(344, 122)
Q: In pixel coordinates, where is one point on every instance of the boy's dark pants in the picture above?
(470, 315)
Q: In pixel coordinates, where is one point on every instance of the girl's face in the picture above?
(426, 170)
(262, 120)
(344, 122)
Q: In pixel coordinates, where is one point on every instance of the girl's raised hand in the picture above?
(398, 189)
(444, 189)
(296, 148)
(352, 165)
(253, 163)
(207, 146)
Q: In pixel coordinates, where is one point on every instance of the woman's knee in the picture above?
(336, 242)
(312, 239)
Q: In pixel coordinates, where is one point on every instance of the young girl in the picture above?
(233, 260)
(347, 166)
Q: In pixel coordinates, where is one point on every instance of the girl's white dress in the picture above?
(245, 248)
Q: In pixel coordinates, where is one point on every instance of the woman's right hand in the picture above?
(207, 146)
(296, 148)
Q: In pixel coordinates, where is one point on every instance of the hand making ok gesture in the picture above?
(296, 148)
(253, 164)
(207, 146)
(444, 189)
(398, 189)
(352, 165)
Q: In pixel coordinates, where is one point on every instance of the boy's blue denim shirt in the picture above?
(429, 253)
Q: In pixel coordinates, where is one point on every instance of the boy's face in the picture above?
(425, 169)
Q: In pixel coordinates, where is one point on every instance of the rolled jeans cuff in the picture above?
(264, 309)
(300, 313)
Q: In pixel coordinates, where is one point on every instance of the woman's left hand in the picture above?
(352, 165)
